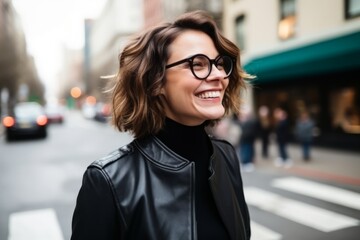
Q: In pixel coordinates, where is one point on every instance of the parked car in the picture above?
(102, 112)
(55, 113)
(88, 110)
(29, 120)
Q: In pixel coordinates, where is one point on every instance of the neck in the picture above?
(187, 141)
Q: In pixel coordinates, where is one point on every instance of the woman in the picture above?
(172, 181)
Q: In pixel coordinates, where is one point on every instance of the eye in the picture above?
(200, 62)
(220, 64)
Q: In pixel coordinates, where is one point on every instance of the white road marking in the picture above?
(36, 224)
(319, 191)
(260, 232)
(311, 216)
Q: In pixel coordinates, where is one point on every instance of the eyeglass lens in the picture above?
(202, 66)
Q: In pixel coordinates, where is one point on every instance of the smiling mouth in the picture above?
(210, 94)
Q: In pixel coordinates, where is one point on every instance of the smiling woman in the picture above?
(173, 181)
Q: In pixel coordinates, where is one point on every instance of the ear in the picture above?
(162, 91)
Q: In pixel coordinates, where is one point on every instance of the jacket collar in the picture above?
(159, 153)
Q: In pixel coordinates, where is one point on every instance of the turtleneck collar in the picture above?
(190, 142)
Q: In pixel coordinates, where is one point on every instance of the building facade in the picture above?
(19, 80)
(306, 57)
(104, 38)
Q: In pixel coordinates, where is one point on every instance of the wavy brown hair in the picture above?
(136, 100)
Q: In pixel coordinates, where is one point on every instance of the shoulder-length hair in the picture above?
(136, 100)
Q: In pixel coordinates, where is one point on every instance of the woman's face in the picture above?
(188, 100)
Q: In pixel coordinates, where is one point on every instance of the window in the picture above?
(287, 23)
(240, 32)
(352, 9)
(345, 110)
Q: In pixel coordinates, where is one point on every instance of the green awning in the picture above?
(329, 56)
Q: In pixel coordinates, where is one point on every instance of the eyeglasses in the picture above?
(201, 65)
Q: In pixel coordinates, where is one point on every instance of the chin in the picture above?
(213, 115)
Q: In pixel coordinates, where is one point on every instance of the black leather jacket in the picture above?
(146, 191)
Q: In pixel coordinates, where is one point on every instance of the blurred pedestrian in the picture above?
(249, 128)
(173, 181)
(227, 129)
(282, 131)
(264, 130)
(304, 133)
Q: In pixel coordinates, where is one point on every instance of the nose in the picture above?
(215, 73)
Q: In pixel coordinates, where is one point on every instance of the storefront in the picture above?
(322, 78)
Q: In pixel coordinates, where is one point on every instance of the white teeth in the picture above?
(211, 94)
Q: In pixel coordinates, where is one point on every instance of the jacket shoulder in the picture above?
(114, 156)
(221, 142)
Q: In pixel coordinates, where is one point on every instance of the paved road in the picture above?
(287, 206)
(40, 179)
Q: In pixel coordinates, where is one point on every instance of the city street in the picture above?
(40, 180)
(44, 176)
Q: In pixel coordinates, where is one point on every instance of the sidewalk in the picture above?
(327, 164)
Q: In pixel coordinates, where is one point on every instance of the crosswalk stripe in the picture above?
(308, 215)
(260, 232)
(36, 224)
(319, 191)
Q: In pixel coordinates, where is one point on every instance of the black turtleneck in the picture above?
(192, 143)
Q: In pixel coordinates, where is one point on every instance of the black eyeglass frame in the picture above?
(212, 62)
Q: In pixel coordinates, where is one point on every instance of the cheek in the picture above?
(182, 86)
(226, 83)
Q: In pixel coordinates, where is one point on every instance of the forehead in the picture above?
(192, 42)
